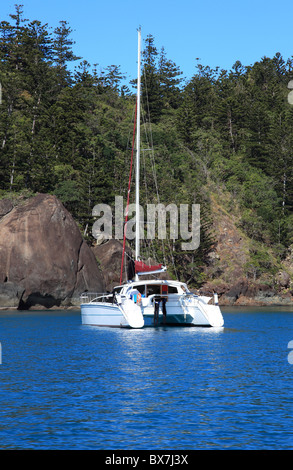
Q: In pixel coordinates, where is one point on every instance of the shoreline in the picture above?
(224, 304)
(41, 308)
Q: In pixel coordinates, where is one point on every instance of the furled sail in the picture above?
(141, 268)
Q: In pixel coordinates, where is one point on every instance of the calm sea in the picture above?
(68, 386)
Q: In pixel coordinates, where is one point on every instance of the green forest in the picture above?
(69, 133)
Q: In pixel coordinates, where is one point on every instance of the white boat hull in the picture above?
(196, 314)
(102, 314)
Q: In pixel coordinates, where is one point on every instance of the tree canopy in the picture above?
(68, 133)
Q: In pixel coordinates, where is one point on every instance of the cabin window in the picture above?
(160, 289)
(172, 290)
(141, 289)
(153, 289)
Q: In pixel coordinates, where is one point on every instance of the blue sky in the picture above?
(216, 32)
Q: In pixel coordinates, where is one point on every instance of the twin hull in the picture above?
(197, 313)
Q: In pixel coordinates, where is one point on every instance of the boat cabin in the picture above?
(148, 288)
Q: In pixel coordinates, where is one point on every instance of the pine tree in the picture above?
(170, 80)
(63, 53)
(150, 85)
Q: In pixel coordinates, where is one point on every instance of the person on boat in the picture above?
(135, 295)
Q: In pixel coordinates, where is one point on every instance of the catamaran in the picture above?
(153, 302)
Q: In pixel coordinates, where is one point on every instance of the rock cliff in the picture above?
(44, 260)
(109, 256)
(231, 272)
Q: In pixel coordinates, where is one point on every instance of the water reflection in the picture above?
(67, 386)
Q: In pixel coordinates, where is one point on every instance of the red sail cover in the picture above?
(141, 267)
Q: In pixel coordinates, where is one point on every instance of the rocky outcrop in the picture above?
(228, 266)
(242, 292)
(10, 295)
(109, 257)
(6, 206)
(44, 260)
(231, 250)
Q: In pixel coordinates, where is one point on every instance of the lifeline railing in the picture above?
(213, 296)
(88, 297)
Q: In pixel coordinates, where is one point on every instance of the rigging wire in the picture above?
(150, 143)
(128, 194)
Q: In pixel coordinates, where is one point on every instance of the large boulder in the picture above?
(42, 252)
(10, 295)
(283, 279)
(109, 256)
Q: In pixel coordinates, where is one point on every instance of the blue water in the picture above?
(68, 386)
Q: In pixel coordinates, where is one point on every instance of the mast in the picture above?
(137, 234)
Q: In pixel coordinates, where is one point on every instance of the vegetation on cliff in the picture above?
(222, 137)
